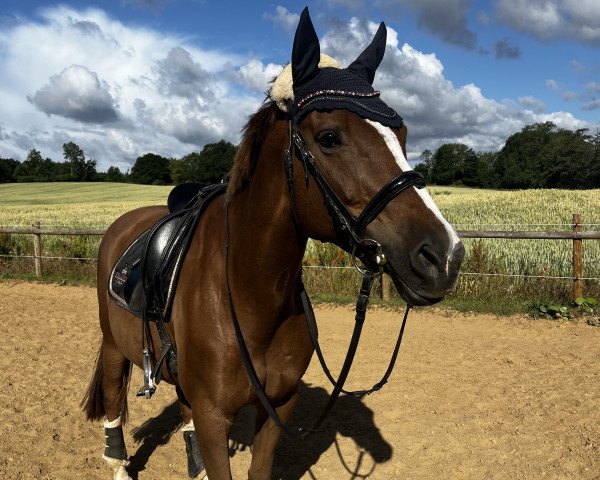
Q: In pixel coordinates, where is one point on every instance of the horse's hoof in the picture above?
(118, 467)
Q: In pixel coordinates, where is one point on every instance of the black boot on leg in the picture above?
(194, 459)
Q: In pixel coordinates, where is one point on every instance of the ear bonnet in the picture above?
(318, 82)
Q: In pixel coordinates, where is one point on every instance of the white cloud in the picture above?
(170, 97)
(76, 93)
(552, 85)
(81, 67)
(255, 75)
(446, 20)
(534, 104)
(435, 110)
(283, 18)
(550, 19)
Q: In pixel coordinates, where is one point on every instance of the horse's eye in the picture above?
(329, 140)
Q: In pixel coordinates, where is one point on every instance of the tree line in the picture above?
(209, 165)
(541, 155)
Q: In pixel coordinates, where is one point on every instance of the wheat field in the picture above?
(96, 205)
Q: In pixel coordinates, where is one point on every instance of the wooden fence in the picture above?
(576, 235)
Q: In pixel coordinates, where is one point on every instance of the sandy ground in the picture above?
(473, 396)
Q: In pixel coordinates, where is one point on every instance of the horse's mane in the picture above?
(253, 137)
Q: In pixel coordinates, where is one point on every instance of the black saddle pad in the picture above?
(144, 279)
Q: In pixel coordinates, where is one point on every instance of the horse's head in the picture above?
(352, 142)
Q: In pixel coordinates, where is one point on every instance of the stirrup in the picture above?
(148, 389)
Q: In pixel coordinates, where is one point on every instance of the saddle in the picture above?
(144, 279)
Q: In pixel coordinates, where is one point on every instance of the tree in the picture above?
(449, 162)
(7, 170)
(78, 168)
(113, 174)
(178, 170)
(37, 169)
(568, 160)
(211, 164)
(546, 156)
(425, 165)
(486, 175)
(151, 169)
(595, 170)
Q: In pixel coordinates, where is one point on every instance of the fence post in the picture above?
(577, 258)
(37, 250)
(385, 287)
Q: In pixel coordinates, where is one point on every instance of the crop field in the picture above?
(96, 205)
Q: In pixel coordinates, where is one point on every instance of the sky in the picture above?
(126, 77)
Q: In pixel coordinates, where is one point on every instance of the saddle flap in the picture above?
(144, 279)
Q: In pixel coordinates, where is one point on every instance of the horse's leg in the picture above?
(115, 381)
(194, 458)
(213, 439)
(266, 438)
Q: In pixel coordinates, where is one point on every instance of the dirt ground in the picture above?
(473, 396)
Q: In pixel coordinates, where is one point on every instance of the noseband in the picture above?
(351, 236)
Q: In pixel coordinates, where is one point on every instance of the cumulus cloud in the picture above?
(76, 93)
(505, 49)
(283, 18)
(552, 85)
(178, 74)
(570, 95)
(534, 104)
(446, 20)
(591, 105)
(256, 76)
(550, 19)
(169, 96)
(435, 110)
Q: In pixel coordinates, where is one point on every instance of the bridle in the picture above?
(350, 232)
(350, 229)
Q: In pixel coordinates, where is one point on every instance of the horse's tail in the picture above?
(93, 400)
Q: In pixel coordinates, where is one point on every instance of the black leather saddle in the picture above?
(144, 279)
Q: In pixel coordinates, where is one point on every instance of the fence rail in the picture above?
(576, 235)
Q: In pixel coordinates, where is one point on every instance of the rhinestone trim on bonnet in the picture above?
(342, 93)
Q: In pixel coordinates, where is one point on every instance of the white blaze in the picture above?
(392, 142)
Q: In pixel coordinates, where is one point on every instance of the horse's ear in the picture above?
(306, 52)
(367, 62)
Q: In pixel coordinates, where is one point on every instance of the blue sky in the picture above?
(128, 77)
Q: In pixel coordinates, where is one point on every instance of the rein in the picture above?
(351, 231)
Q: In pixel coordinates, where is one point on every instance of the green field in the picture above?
(87, 205)
(96, 205)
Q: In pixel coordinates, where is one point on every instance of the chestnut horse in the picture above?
(267, 225)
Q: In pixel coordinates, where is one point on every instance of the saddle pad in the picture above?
(144, 279)
(125, 284)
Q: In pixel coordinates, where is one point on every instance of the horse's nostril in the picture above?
(427, 256)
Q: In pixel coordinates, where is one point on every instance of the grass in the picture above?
(73, 205)
(97, 205)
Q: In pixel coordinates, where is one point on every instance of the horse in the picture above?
(246, 255)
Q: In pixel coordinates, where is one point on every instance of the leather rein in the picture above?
(350, 231)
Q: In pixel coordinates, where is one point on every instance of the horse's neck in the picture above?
(265, 251)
